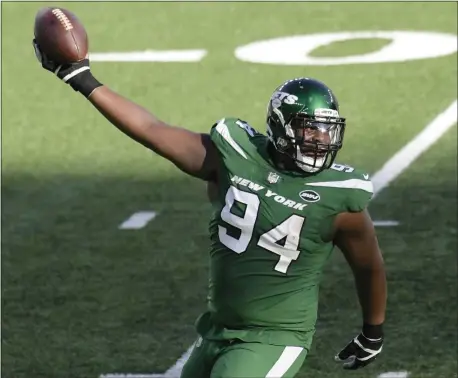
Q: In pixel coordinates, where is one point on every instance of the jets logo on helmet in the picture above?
(279, 97)
(303, 122)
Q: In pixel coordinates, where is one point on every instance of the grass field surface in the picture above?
(81, 297)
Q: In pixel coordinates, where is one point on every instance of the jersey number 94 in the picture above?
(290, 229)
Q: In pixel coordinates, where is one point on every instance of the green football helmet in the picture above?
(303, 122)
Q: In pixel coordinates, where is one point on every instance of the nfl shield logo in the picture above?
(273, 178)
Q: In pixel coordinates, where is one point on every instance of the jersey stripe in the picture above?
(222, 129)
(367, 186)
(284, 363)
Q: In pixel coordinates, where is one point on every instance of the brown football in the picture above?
(60, 35)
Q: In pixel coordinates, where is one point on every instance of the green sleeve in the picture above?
(360, 196)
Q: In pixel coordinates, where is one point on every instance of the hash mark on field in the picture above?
(394, 374)
(386, 223)
(138, 220)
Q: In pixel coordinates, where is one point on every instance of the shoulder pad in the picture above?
(355, 183)
(232, 135)
(346, 172)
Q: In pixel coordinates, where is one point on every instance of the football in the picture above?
(60, 35)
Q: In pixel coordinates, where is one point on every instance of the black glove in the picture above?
(362, 350)
(77, 75)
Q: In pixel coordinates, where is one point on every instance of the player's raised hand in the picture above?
(64, 71)
(359, 352)
(61, 46)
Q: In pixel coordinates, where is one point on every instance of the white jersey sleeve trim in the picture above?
(222, 129)
(367, 186)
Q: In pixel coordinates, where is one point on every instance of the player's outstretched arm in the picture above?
(356, 238)
(193, 153)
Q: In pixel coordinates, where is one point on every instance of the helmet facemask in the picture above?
(311, 141)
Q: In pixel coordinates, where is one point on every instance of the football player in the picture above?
(281, 205)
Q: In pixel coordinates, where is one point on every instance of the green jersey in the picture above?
(271, 234)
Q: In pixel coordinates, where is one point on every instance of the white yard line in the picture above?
(386, 223)
(394, 374)
(381, 179)
(132, 375)
(173, 372)
(150, 56)
(402, 159)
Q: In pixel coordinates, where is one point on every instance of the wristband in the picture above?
(84, 83)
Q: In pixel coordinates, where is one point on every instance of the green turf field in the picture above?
(81, 297)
